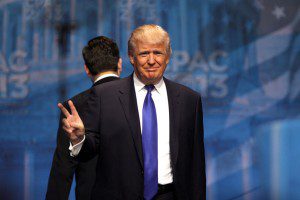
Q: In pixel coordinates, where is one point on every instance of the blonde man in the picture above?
(146, 129)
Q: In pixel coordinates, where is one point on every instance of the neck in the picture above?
(93, 78)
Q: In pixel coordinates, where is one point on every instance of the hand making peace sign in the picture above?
(72, 124)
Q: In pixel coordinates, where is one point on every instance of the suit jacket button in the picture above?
(142, 172)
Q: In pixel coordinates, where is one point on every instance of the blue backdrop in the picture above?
(243, 56)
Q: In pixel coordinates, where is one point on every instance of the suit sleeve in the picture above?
(198, 161)
(91, 116)
(62, 169)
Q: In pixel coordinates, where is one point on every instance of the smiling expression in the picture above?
(149, 61)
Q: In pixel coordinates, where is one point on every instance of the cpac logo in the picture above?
(206, 75)
(13, 76)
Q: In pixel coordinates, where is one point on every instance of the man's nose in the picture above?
(151, 60)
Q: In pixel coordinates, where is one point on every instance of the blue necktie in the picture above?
(149, 138)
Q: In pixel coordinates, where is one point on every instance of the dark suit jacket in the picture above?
(64, 166)
(113, 132)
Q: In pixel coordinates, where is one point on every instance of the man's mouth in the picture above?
(152, 69)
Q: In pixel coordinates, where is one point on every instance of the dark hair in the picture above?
(101, 54)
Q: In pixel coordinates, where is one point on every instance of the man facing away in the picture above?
(102, 64)
(146, 129)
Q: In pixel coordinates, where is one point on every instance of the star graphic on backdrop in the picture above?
(278, 12)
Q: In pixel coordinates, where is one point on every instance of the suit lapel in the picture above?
(174, 115)
(128, 101)
(127, 98)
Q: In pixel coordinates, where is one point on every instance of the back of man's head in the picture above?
(100, 55)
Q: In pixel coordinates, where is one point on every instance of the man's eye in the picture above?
(158, 53)
(143, 54)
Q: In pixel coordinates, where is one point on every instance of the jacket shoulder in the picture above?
(112, 86)
(78, 99)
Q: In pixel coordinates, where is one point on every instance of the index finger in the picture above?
(63, 110)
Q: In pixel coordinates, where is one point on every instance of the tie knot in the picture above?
(149, 88)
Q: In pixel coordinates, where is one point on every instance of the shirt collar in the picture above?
(105, 76)
(139, 85)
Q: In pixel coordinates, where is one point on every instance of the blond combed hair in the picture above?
(151, 33)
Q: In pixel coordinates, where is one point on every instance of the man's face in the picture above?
(149, 62)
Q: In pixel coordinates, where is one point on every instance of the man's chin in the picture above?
(152, 80)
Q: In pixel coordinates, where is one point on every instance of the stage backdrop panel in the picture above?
(243, 56)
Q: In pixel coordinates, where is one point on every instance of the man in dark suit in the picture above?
(102, 64)
(146, 129)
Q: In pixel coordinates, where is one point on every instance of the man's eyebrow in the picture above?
(143, 52)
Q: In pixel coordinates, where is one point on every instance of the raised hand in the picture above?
(72, 124)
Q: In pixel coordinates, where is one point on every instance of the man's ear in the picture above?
(119, 66)
(87, 71)
(168, 60)
(131, 58)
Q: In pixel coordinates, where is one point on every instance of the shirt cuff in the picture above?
(74, 150)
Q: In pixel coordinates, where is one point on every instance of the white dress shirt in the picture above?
(160, 98)
(105, 76)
